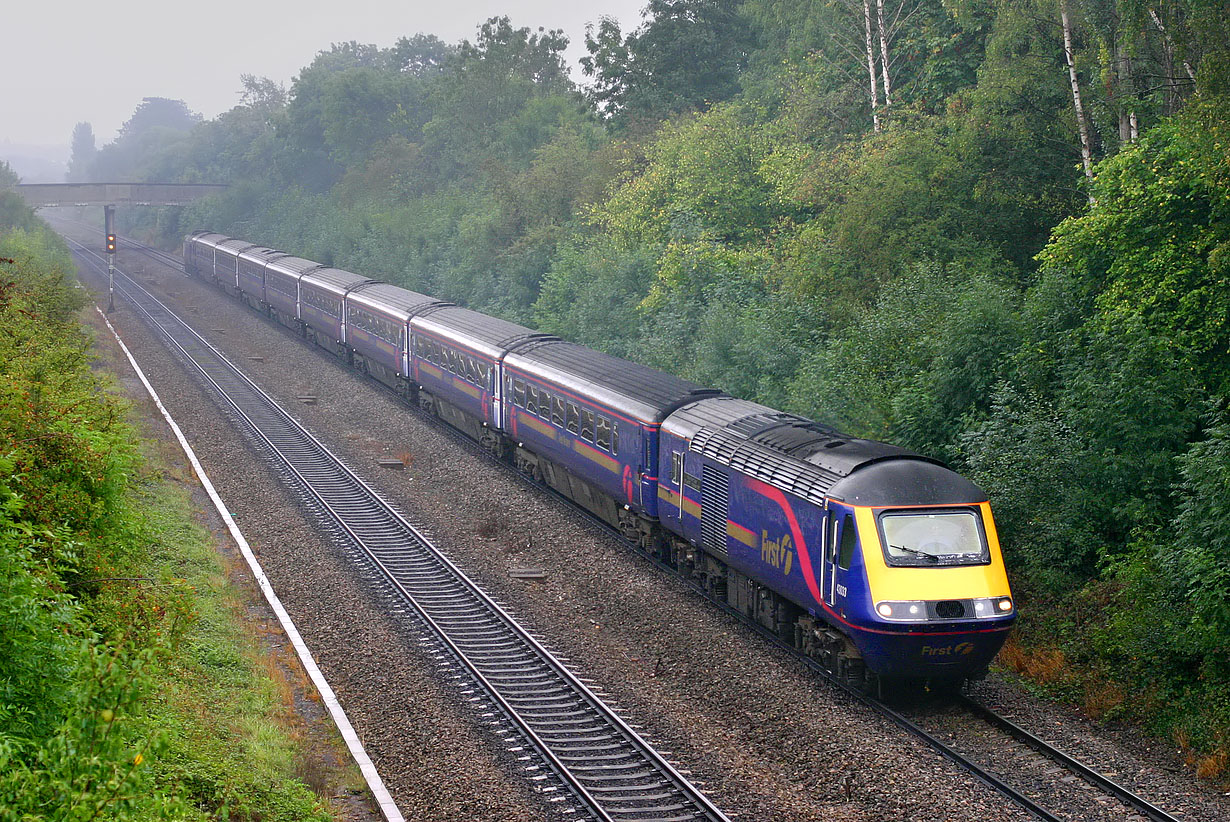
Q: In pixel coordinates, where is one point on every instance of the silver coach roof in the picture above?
(489, 336)
(634, 390)
(233, 247)
(336, 281)
(260, 254)
(392, 300)
(294, 266)
(208, 238)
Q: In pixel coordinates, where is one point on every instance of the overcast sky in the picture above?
(64, 62)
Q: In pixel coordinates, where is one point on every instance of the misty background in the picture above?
(87, 63)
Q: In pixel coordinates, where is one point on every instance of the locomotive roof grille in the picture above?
(760, 462)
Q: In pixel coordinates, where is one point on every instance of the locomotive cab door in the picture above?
(841, 542)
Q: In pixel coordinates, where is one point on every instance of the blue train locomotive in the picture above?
(880, 562)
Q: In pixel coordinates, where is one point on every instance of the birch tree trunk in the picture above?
(888, 99)
(1082, 124)
(871, 66)
(1126, 94)
(1157, 21)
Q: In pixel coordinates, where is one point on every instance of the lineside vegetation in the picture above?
(129, 689)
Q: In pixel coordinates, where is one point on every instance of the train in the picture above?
(882, 564)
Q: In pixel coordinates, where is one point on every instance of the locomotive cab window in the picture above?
(676, 468)
(934, 538)
(849, 541)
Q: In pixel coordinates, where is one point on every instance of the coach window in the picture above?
(532, 404)
(545, 401)
(557, 411)
(519, 393)
(587, 424)
(574, 418)
(604, 434)
(615, 438)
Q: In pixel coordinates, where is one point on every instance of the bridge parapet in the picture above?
(39, 195)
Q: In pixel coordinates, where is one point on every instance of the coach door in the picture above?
(490, 375)
(496, 383)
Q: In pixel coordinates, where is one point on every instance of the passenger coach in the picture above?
(587, 424)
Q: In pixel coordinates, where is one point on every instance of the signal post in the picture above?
(109, 227)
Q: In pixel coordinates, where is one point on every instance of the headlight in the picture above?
(903, 611)
(944, 610)
(993, 607)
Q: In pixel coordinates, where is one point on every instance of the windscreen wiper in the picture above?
(915, 551)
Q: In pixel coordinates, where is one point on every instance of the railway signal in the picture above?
(110, 243)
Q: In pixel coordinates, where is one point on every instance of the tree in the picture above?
(423, 55)
(1069, 57)
(155, 113)
(686, 56)
(262, 94)
(502, 97)
(1156, 244)
(83, 152)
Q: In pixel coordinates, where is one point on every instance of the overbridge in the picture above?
(39, 195)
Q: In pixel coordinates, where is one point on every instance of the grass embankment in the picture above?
(129, 686)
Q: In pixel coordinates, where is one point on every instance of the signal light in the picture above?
(110, 243)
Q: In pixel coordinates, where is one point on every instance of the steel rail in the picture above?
(1050, 751)
(599, 758)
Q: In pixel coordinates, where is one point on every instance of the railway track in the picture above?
(1122, 801)
(581, 744)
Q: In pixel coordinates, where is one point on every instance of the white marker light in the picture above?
(1005, 604)
(884, 609)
